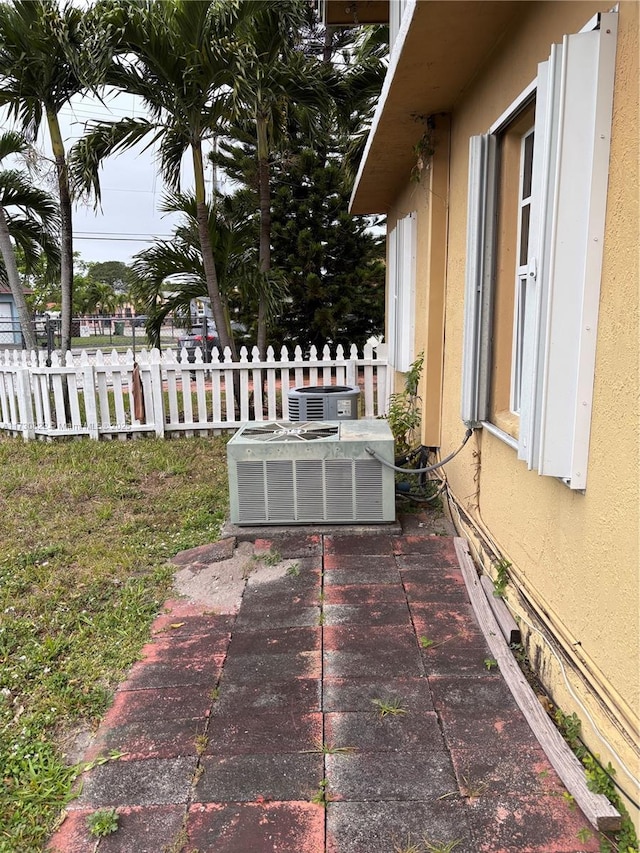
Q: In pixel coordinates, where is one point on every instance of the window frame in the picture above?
(574, 100)
(523, 272)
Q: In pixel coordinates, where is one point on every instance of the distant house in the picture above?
(504, 153)
(10, 334)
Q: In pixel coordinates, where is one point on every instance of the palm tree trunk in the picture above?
(220, 314)
(264, 256)
(327, 51)
(6, 250)
(66, 230)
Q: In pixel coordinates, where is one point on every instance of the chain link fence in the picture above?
(87, 332)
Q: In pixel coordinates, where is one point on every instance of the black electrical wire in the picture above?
(419, 471)
(420, 499)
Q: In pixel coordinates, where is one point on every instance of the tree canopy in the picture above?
(44, 45)
(28, 223)
(277, 101)
(335, 272)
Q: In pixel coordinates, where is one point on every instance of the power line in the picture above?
(121, 233)
(123, 190)
(118, 239)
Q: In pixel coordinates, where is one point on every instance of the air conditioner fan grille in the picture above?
(291, 432)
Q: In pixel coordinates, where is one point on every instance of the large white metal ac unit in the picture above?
(311, 473)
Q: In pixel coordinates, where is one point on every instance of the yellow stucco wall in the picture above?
(575, 554)
(428, 197)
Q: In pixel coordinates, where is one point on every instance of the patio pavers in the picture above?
(259, 778)
(361, 694)
(246, 732)
(149, 782)
(288, 827)
(367, 731)
(348, 706)
(359, 827)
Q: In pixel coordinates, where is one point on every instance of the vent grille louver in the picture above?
(309, 490)
(339, 490)
(368, 475)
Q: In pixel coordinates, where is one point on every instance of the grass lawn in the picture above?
(87, 529)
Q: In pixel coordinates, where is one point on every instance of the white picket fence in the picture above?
(93, 396)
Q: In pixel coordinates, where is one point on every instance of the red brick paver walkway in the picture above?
(345, 708)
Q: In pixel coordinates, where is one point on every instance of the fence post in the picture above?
(72, 391)
(244, 385)
(25, 403)
(284, 383)
(156, 391)
(352, 366)
(229, 387)
(369, 373)
(272, 412)
(384, 378)
(256, 375)
(89, 388)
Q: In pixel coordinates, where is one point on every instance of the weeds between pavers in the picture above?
(268, 558)
(103, 822)
(327, 749)
(322, 796)
(389, 707)
(425, 846)
(88, 528)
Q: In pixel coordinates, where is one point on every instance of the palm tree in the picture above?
(277, 90)
(360, 87)
(171, 273)
(40, 45)
(29, 220)
(175, 57)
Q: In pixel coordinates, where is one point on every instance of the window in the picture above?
(522, 266)
(562, 127)
(514, 175)
(401, 292)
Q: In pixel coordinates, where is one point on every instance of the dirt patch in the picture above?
(218, 585)
(74, 743)
(264, 574)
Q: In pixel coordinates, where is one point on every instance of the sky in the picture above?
(128, 219)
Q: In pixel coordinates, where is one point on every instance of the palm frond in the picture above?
(33, 240)
(38, 37)
(104, 139)
(12, 143)
(17, 191)
(174, 143)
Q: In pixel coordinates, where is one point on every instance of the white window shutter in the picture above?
(543, 188)
(392, 287)
(577, 94)
(401, 292)
(479, 279)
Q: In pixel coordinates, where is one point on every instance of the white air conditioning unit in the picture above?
(323, 403)
(311, 473)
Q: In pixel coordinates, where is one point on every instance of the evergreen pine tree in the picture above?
(333, 262)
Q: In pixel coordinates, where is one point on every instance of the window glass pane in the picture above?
(528, 166)
(512, 247)
(521, 297)
(525, 214)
